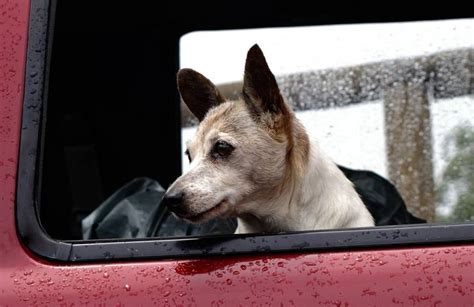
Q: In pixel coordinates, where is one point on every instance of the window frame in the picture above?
(36, 239)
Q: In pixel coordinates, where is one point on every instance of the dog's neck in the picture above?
(322, 198)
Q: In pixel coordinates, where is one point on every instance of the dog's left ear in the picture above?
(198, 92)
(260, 90)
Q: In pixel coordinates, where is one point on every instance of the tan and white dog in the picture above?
(252, 159)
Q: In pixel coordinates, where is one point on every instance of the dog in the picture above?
(252, 159)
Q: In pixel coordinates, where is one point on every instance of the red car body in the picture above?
(433, 275)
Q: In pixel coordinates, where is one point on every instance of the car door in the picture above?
(422, 264)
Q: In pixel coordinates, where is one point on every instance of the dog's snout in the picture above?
(173, 200)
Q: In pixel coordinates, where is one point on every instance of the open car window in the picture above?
(103, 129)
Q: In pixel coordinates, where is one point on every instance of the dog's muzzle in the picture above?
(174, 202)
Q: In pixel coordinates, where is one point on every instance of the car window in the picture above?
(392, 98)
(103, 134)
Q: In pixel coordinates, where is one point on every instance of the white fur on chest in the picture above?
(324, 199)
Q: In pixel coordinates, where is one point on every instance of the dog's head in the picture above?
(244, 151)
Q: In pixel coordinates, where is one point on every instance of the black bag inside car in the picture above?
(381, 198)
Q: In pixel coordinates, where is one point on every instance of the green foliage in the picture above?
(459, 175)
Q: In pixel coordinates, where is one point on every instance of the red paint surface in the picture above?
(435, 276)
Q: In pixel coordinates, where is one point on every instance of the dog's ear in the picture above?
(260, 90)
(198, 92)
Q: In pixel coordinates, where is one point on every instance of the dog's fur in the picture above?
(274, 179)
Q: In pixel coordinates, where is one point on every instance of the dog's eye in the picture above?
(188, 154)
(221, 149)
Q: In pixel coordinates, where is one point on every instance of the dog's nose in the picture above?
(173, 200)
